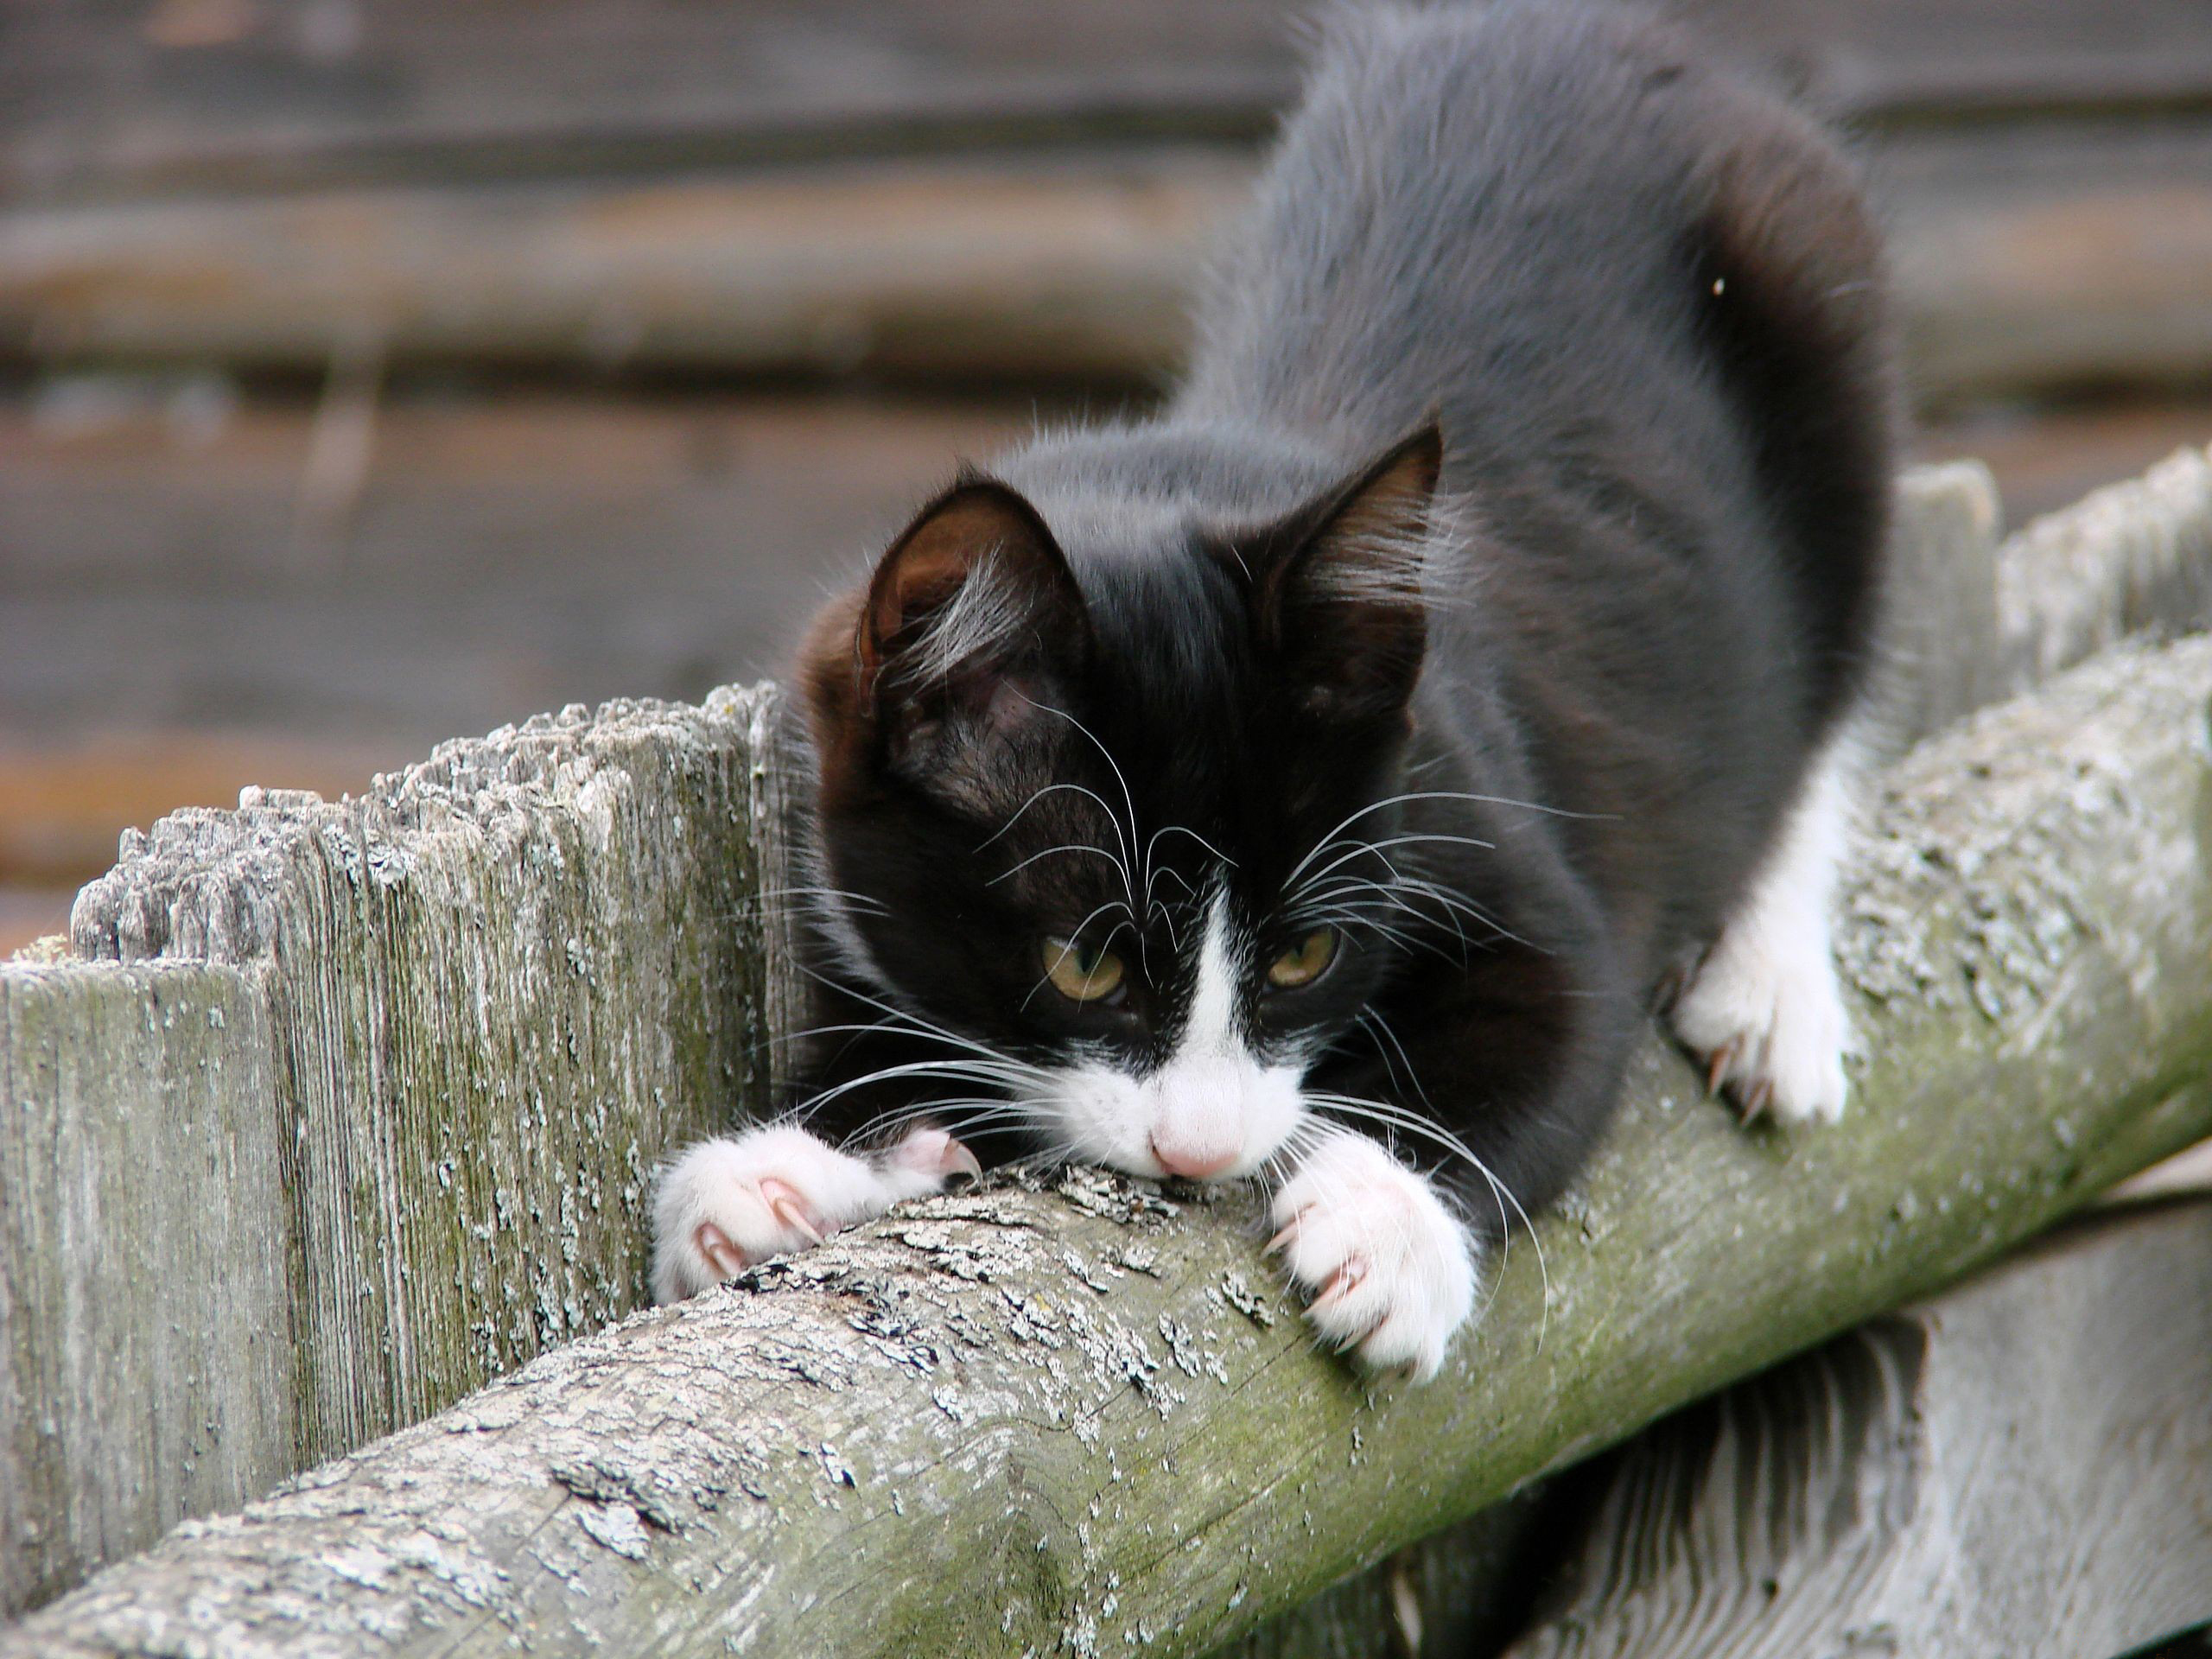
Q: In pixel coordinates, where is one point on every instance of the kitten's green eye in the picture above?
(1081, 973)
(1305, 963)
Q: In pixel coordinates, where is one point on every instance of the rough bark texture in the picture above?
(367, 1113)
(2017, 1467)
(1075, 1413)
(2129, 558)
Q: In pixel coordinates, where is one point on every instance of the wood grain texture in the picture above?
(1076, 1411)
(112, 96)
(463, 1016)
(2023, 263)
(971, 266)
(2017, 1467)
(146, 1359)
(508, 553)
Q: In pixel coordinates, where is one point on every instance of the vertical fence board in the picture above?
(463, 1017)
(146, 1341)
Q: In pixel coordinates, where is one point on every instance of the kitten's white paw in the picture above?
(1763, 1011)
(1764, 1014)
(731, 1202)
(1390, 1271)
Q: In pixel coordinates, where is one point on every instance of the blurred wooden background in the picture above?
(373, 373)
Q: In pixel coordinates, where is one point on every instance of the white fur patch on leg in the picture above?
(730, 1202)
(1763, 1011)
(1390, 1271)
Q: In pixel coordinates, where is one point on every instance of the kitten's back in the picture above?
(1561, 226)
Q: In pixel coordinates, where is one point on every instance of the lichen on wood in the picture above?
(126, 1394)
(1074, 1413)
(463, 1017)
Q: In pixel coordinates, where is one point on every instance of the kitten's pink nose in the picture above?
(1192, 1163)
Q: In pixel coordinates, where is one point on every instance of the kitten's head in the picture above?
(1107, 824)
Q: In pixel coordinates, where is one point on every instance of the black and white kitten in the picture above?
(1322, 779)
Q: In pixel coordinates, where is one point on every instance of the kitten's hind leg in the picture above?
(1763, 1011)
(730, 1202)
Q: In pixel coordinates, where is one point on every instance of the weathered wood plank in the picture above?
(2017, 1467)
(499, 988)
(1086, 1395)
(146, 1360)
(469, 1010)
(2021, 264)
(507, 554)
(2130, 556)
(111, 96)
(1943, 659)
(975, 266)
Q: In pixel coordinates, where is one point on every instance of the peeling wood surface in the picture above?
(2017, 1467)
(1074, 1414)
(416, 1054)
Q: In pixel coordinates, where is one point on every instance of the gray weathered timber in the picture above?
(1945, 660)
(1074, 1413)
(2133, 557)
(349, 1107)
(2017, 1467)
(1978, 618)
(146, 1365)
(2025, 263)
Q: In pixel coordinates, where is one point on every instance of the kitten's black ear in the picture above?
(1339, 595)
(971, 618)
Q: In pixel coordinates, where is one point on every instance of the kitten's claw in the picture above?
(935, 1156)
(1390, 1274)
(785, 1205)
(1771, 1034)
(714, 1244)
(1763, 1011)
(1717, 1073)
(1342, 1283)
(730, 1204)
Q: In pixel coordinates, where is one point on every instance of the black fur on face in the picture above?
(1153, 756)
